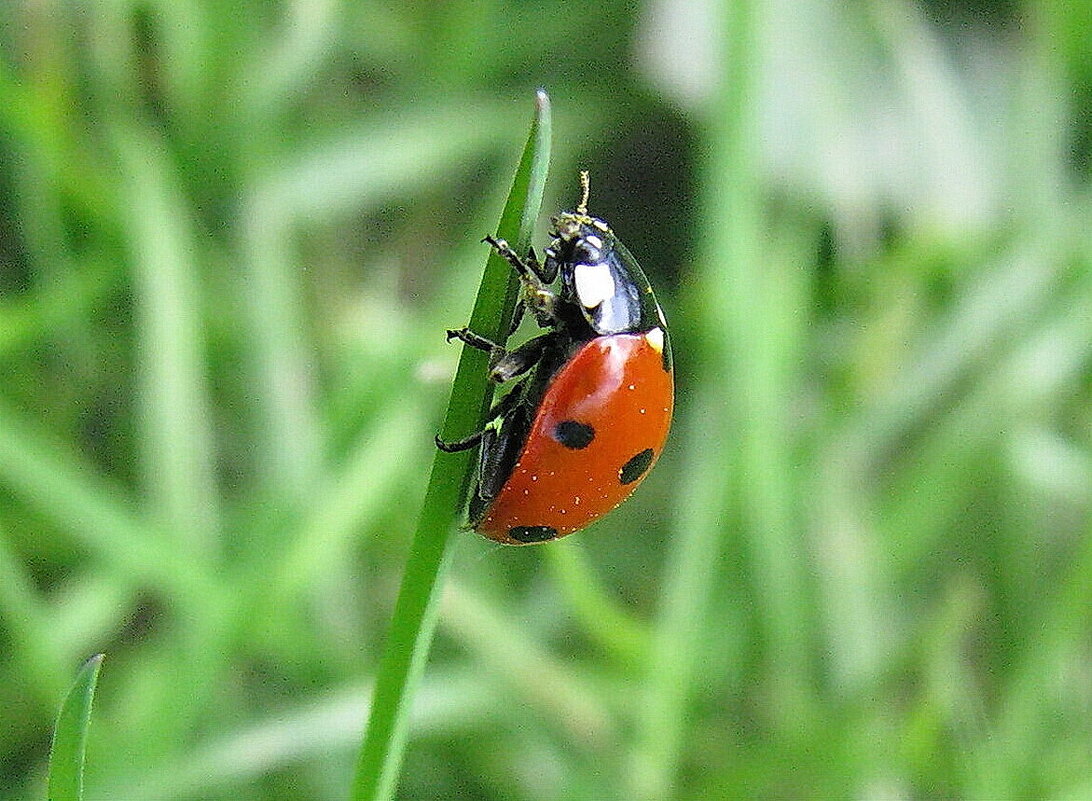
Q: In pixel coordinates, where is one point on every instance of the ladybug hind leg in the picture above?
(458, 445)
(499, 409)
(500, 449)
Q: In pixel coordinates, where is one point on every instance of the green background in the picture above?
(231, 237)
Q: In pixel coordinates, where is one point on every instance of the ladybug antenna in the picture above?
(585, 186)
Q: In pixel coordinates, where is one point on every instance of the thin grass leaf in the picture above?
(222, 764)
(414, 619)
(95, 512)
(735, 311)
(176, 430)
(559, 690)
(602, 616)
(70, 737)
(372, 470)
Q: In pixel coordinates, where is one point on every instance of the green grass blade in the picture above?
(176, 431)
(70, 736)
(26, 616)
(414, 619)
(603, 618)
(95, 511)
(736, 312)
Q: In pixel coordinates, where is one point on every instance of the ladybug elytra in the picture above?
(572, 439)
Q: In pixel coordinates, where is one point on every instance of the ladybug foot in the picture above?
(476, 341)
(458, 445)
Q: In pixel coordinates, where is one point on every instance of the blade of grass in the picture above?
(689, 575)
(748, 304)
(730, 218)
(176, 432)
(27, 617)
(602, 617)
(360, 169)
(752, 300)
(225, 764)
(521, 662)
(95, 512)
(370, 472)
(70, 736)
(414, 619)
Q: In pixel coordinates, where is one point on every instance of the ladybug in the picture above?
(582, 428)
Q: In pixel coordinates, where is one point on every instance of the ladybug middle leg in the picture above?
(476, 341)
(505, 365)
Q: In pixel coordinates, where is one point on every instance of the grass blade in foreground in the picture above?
(70, 736)
(414, 619)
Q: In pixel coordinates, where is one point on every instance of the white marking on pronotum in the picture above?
(594, 284)
(594, 241)
(655, 338)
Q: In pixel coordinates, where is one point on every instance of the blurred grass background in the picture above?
(231, 237)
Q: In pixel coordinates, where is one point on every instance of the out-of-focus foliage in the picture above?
(231, 237)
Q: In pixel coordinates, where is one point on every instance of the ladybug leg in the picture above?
(509, 364)
(458, 445)
(499, 409)
(546, 272)
(535, 278)
(542, 299)
(490, 477)
(505, 365)
(476, 341)
(517, 316)
(498, 455)
(485, 491)
(528, 269)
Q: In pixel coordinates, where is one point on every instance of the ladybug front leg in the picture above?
(528, 267)
(535, 278)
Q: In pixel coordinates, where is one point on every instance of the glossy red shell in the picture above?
(621, 386)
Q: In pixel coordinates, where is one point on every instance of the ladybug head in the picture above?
(579, 238)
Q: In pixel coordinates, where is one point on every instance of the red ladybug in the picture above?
(572, 439)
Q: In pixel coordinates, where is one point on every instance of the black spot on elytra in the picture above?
(574, 435)
(529, 534)
(635, 467)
